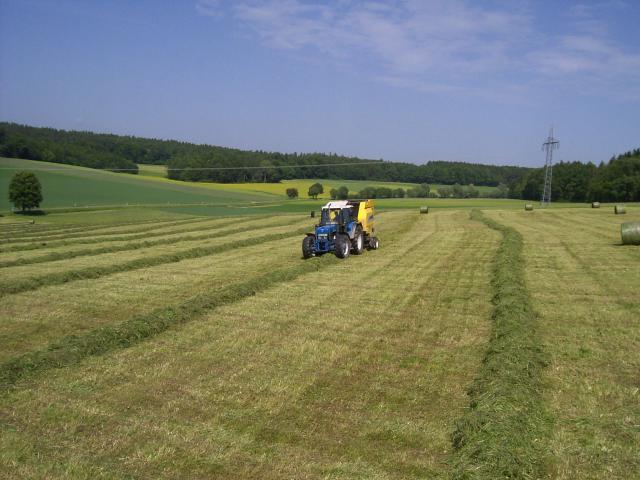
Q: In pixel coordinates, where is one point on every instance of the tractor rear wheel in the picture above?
(343, 246)
(308, 245)
(358, 242)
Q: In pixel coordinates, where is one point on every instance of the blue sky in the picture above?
(405, 80)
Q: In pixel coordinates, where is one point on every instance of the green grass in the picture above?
(69, 186)
(504, 434)
(584, 286)
(371, 391)
(496, 346)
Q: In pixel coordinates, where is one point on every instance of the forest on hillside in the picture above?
(188, 161)
(615, 180)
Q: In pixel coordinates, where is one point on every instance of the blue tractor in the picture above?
(345, 227)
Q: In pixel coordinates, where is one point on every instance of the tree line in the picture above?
(617, 180)
(188, 161)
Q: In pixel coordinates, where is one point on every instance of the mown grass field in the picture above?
(471, 345)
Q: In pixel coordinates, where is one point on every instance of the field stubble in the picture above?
(584, 285)
(358, 370)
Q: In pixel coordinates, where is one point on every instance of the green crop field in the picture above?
(159, 172)
(475, 343)
(69, 186)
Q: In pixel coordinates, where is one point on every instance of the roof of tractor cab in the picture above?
(338, 204)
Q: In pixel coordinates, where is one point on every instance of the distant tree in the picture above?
(444, 192)
(315, 190)
(383, 192)
(421, 191)
(503, 191)
(25, 191)
(398, 193)
(333, 193)
(343, 193)
(458, 191)
(368, 192)
(292, 192)
(471, 192)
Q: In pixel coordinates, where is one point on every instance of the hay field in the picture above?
(585, 288)
(473, 344)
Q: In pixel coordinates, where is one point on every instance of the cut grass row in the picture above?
(289, 383)
(82, 232)
(72, 349)
(21, 272)
(161, 230)
(584, 285)
(17, 284)
(505, 431)
(55, 256)
(43, 229)
(32, 319)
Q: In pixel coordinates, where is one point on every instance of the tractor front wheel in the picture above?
(343, 246)
(308, 245)
(373, 243)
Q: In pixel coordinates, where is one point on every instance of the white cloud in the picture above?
(437, 45)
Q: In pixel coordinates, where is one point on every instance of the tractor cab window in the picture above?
(330, 216)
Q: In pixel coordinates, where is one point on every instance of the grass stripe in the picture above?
(54, 229)
(72, 349)
(54, 256)
(34, 283)
(90, 232)
(505, 431)
(92, 239)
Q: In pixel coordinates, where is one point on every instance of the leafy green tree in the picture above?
(333, 193)
(315, 190)
(398, 193)
(444, 192)
(503, 191)
(292, 192)
(471, 192)
(25, 191)
(383, 192)
(368, 192)
(421, 191)
(343, 193)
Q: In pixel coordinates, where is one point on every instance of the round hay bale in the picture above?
(313, 214)
(424, 209)
(630, 233)
(620, 209)
(595, 205)
(528, 207)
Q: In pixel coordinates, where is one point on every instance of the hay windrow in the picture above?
(210, 233)
(72, 349)
(90, 236)
(504, 432)
(34, 283)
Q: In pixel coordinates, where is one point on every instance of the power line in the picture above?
(252, 167)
